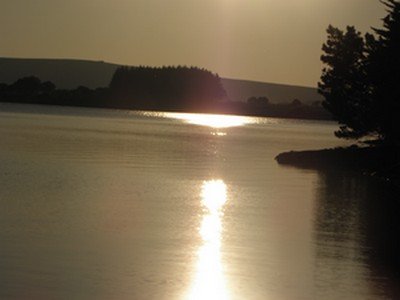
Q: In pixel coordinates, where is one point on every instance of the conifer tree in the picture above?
(383, 68)
(361, 79)
(343, 79)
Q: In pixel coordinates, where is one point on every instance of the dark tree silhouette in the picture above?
(296, 102)
(258, 101)
(3, 88)
(383, 67)
(48, 87)
(343, 81)
(360, 82)
(27, 85)
(180, 88)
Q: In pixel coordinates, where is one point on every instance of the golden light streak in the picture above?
(211, 120)
(209, 281)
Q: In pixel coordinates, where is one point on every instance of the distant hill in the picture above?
(64, 73)
(71, 73)
(241, 90)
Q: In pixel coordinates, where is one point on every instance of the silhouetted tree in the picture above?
(47, 87)
(343, 81)
(3, 87)
(27, 85)
(360, 82)
(181, 88)
(383, 67)
(316, 103)
(258, 101)
(296, 102)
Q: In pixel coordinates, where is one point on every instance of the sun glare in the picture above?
(211, 120)
(209, 281)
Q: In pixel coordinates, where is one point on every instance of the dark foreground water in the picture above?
(102, 204)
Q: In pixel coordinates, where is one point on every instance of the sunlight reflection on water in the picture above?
(215, 121)
(210, 120)
(209, 282)
(100, 204)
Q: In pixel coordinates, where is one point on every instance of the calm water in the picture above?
(102, 204)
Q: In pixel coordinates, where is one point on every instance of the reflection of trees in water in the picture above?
(357, 233)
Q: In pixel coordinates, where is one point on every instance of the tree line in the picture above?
(146, 88)
(180, 88)
(32, 90)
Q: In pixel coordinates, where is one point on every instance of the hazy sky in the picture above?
(265, 40)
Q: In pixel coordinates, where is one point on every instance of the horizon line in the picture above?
(126, 65)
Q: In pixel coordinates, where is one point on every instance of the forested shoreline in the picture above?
(182, 89)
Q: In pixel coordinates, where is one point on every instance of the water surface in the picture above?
(107, 204)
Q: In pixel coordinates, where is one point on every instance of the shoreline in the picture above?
(380, 162)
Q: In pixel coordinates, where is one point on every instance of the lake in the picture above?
(108, 204)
